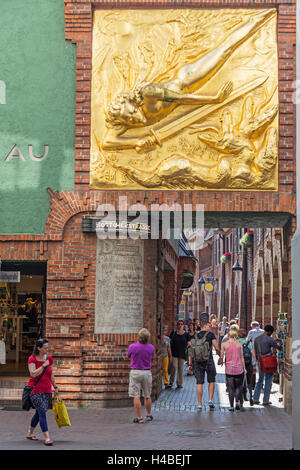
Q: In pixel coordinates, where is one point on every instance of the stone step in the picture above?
(13, 383)
(11, 392)
(11, 402)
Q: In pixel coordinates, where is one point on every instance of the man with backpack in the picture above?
(201, 358)
(250, 365)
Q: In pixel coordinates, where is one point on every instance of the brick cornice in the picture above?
(182, 3)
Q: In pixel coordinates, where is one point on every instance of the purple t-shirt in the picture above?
(140, 355)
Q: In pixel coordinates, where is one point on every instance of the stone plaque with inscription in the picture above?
(119, 286)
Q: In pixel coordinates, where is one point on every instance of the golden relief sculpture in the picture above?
(184, 99)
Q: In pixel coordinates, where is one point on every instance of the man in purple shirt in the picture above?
(140, 378)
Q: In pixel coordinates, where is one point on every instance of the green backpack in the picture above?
(200, 349)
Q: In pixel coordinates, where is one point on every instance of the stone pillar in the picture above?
(296, 271)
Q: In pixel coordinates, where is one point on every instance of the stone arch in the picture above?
(249, 305)
(258, 299)
(267, 318)
(227, 311)
(236, 300)
(276, 300)
(202, 302)
(285, 285)
(215, 304)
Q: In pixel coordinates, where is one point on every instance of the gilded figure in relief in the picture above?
(143, 120)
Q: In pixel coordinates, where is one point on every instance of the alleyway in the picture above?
(176, 426)
(185, 399)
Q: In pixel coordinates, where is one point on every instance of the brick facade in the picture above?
(93, 367)
(269, 287)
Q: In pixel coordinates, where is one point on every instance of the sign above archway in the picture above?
(184, 99)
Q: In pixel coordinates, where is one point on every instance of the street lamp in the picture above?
(237, 267)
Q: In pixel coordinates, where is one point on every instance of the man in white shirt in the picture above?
(254, 332)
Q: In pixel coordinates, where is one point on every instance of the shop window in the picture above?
(22, 314)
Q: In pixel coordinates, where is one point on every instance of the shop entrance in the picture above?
(22, 313)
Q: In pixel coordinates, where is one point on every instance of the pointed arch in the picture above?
(276, 300)
(259, 299)
(267, 318)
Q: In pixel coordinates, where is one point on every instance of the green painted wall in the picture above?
(37, 83)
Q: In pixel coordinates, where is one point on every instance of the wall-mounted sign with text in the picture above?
(9, 276)
(105, 227)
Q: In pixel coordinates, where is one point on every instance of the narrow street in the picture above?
(177, 425)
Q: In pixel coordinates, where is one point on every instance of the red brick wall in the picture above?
(170, 305)
(79, 30)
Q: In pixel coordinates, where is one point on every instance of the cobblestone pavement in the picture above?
(176, 426)
(185, 399)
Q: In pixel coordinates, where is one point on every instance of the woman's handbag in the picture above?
(268, 363)
(26, 402)
(60, 413)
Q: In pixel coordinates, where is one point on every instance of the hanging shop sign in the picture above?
(209, 287)
(10, 276)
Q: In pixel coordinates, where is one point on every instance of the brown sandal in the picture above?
(32, 437)
(48, 443)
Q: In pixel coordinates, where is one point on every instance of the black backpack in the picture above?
(247, 353)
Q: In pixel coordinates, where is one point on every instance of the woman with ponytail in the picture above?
(234, 368)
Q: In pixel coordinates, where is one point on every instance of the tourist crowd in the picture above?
(248, 358)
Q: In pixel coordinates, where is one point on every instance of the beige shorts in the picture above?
(140, 381)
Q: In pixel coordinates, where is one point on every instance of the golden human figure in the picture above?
(149, 103)
(238, 154)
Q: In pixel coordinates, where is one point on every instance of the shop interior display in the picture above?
(20, 323)
(282, 329)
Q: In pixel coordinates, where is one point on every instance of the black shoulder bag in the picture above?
(26, 402)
